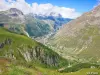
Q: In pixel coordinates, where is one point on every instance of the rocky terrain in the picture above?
(79, 39)
(12, 15)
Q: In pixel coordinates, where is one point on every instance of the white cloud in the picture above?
(47, 9)
(35, 8)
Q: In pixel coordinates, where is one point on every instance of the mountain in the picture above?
(55, 20)
(30, 24)
(46, 25)
(21, 50)
(13, 19)
(79, 39)
(36, 27)
(12, 15)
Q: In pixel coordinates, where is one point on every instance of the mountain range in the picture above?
(71, 46)
(31, 24)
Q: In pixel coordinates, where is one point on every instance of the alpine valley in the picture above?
(32, 44)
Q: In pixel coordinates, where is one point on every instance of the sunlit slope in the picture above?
(80, 38)
(21, 48)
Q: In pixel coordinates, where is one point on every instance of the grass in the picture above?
(84, 45)
(37, 70)
(25, 43)
(46, 71)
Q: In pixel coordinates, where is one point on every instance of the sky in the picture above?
(66, 8)
(80, 5)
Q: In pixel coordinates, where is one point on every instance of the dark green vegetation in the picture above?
(80, 66)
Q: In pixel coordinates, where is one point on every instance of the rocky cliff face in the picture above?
(38, 53)
(34, 54)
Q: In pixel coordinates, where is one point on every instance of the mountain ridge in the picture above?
(26, 23)
(88, 17)
(79, 38)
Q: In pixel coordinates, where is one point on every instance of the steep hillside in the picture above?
(22, 48)
(80, 38)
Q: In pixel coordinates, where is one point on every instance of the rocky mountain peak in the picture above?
(15, 11)
(55, 14)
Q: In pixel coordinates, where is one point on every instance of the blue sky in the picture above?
(80, 5)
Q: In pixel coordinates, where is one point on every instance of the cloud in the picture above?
(39, 9)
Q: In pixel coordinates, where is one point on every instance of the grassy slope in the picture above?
(20, 70)
(24, 43)
(20, 41)
(17, 41)
(84, 45)
(53, 72)
(44, 71)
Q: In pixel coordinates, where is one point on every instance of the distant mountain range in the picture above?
(31, 24)
(57, 20)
